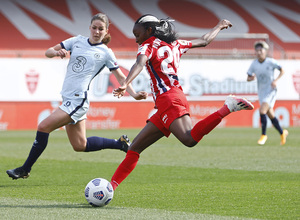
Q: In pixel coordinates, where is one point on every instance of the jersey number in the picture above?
(172, 57)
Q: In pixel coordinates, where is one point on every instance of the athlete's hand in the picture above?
(224, 24)
(274, 84)
(141, 95)
(61, 53)
(119, 92)
(251, 78)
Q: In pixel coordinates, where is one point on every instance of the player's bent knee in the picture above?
(42, 128)
(189, 142)
(79, 147)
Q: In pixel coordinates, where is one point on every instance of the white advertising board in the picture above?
(42, 79)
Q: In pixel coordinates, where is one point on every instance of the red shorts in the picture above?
(170, 106)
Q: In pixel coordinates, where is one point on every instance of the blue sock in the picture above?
(37, 149)
(275, 123)
(99, 143)
(263, 121)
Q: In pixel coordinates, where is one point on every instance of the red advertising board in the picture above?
(115, 115)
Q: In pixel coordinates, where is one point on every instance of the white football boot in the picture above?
(235, 104)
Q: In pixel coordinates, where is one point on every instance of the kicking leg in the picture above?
(149, 134)
(232, 104)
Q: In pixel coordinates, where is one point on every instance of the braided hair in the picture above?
(161, 28)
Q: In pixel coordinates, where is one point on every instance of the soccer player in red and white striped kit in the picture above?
(160, 51)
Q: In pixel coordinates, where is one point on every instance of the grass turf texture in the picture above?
(226, 176)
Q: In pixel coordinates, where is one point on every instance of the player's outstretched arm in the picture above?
(211, 35)
(121, 78)
(134, 72)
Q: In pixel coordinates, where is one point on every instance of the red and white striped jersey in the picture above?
(163, 62)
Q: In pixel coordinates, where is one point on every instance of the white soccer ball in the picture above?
(99, 192)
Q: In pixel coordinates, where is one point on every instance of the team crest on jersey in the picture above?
(97, 56)
(32, 79)
(183, 42)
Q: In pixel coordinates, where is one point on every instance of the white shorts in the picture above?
(76, 108)
(269, 98)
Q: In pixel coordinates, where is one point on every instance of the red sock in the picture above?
(205, 126)
(224, 111)
(125, 168)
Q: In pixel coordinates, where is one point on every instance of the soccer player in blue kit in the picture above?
(89, 55)
(262, 69)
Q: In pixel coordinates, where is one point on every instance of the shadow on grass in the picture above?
(60, 206)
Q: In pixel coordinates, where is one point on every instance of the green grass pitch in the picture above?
(226, 176)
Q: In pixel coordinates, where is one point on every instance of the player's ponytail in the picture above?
(162, 29)
(106, 39)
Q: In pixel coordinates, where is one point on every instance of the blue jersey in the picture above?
(86, 61)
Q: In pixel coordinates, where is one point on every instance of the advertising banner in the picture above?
(42, 79)
(115, 115)
(30, 91)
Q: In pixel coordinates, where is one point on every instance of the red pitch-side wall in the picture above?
(109, 115)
